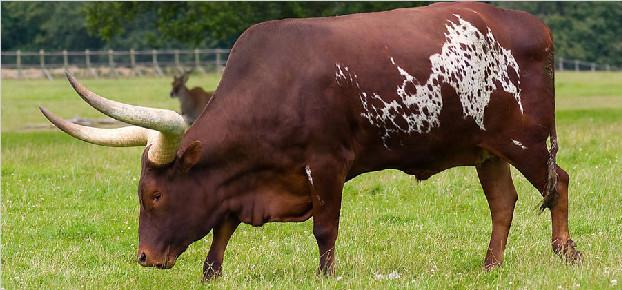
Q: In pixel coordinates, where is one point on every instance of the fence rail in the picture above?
(562, 64)
(110, 63)
(117, 63)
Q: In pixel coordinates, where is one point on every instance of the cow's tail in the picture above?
(550, 189)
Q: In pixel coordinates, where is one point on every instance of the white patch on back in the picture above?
(471, 62)
(309, 177)
(519, 144)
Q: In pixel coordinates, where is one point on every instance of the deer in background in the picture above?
(192, 101)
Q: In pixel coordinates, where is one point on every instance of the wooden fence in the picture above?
(113, 63)
(110, 63)
(562, 64)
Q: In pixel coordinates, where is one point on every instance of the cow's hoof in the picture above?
(211, 274)
(208, 277)
(568, 252)
(491, 265)
(323, 272)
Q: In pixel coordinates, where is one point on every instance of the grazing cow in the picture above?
(306, 104)
(192, 101)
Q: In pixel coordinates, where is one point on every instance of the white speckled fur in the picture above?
(470, 61)
(519, 144)
(309, 176)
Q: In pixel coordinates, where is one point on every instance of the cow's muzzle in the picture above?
(146, 259)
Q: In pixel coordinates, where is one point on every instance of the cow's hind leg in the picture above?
(538, 165)
(495, 177)
(212, 267)
(561, 242)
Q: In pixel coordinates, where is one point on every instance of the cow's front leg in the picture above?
(325, 230)
(496, 179)
(212, 267)
(326, 180)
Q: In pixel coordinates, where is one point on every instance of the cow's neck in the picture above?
(246, 182)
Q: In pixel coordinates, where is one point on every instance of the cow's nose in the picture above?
(142, 259)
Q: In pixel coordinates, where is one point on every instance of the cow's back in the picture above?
(315, 81)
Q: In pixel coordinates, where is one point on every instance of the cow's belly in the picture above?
(422, 161)
(275, 206)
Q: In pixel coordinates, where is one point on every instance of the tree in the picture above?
(45, 25)
(213, 23)
(589, 31)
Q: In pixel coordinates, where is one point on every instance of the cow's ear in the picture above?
(190, 156)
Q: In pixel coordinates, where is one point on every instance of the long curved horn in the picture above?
(120, 137)
(162, 152)
(165, 121)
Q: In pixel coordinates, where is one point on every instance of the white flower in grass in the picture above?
(393, 275)
(390, 276)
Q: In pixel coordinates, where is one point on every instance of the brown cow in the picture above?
(305, 105)
(192, 101)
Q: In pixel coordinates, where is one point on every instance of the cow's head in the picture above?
(179, 83)
(173, 209)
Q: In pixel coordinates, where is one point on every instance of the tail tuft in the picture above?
(550, 191)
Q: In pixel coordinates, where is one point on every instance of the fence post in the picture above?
(19, 63)
(593, 68)
(177, 66)
(87, 57)
(196, 57)
(197, 62)
(156, 66)
(65, 59)
(576, 65)
(608, 67)
(561, 64)
(218, 61)
(42, 61)
(135, 70)
(111, 62)
(42, 57)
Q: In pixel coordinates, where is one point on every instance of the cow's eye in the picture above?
(156, 196)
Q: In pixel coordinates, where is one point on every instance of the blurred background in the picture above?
(108, 39)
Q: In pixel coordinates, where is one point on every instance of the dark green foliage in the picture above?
(214, 23)
(589, 31)
(45, 25)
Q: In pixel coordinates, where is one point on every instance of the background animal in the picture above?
(192, 101)
(336, 97)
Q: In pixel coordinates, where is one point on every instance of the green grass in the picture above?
(70, 210)
(20, 98)
(581, 90)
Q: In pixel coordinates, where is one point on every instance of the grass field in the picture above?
(70, 209)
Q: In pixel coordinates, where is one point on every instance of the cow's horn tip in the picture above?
(46, 113)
